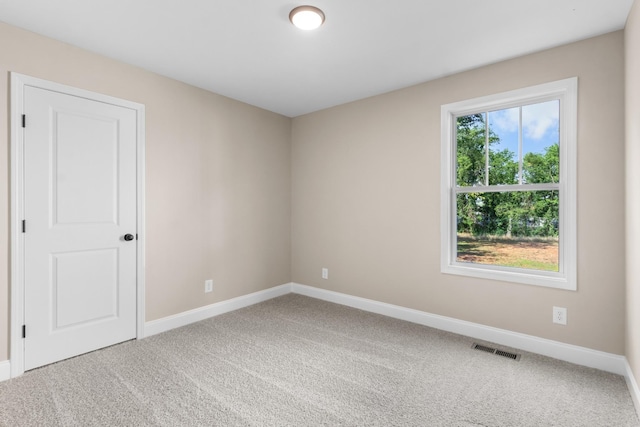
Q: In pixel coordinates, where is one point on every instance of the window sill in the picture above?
(514, 275)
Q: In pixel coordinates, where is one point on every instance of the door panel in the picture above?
(79, 202)
(70, 273)
(85, 167)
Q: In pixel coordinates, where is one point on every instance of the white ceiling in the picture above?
(248, 50)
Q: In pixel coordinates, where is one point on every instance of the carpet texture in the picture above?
(298, 361)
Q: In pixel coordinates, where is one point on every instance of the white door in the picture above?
(80, 212)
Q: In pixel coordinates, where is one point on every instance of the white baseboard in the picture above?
(557, 350)
(633, 386)
(182, 319)
(5, 370)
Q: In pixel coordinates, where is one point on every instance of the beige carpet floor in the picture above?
(297, 361)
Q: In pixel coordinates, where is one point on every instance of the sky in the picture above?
(540, 127)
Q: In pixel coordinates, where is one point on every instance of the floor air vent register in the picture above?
(497, 352)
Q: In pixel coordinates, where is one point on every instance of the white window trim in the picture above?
(567, 92)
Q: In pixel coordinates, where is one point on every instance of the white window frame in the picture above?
(566, 91)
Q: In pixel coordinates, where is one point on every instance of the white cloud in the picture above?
(540, 119)
(504, 120)
(537, 120)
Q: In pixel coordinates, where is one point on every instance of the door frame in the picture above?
(18, 83)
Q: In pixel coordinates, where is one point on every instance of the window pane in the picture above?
(509, 229)
(503, 146)
(470, 145)
(540, 142)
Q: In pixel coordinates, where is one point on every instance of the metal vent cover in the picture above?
(507, 354)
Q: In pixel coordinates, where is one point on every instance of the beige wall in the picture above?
(366, 191)
(218, 197)
(364, 179)
(632, 98)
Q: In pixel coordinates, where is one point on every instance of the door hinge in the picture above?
(24, 331)
(24, 226)
(136, 237)
(24, 121)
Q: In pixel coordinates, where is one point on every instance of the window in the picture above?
(509, 186)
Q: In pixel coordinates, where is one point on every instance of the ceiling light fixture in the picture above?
(306, 17)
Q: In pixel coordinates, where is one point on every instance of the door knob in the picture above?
(128, 237)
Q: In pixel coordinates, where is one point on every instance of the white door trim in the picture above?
(18, 82)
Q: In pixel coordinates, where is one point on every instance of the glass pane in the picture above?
(510, 229)
(470, 155)
(540, 142)
(503, 146)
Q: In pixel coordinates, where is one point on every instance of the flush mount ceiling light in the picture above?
(306, 17)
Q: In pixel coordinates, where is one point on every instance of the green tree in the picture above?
(470, 150)
(542, 168)
(470, 169)
(518, 213)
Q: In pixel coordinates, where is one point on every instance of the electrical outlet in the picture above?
(560, 315)
(325, 273)
(208, 286)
